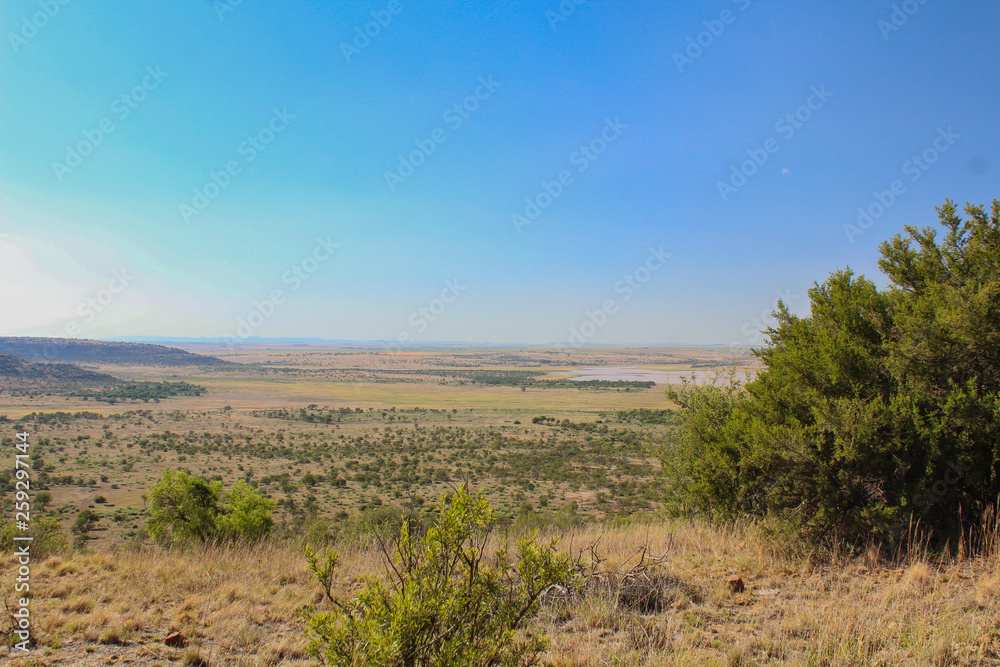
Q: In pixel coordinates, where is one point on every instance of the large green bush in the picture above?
(880, 408)
(184, 508)
(448, 601)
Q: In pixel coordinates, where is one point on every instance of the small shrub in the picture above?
(85, 521)
(48, 537)
(447, 602)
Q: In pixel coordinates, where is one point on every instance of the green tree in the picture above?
(42, 499)
(184, 508)
(946, 352)
(246, 514)
(879, 407)
(448, 601)
(85, 522)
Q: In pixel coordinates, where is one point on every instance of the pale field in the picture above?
(245, 394)
(315, 375)
(352, 356)
(251, 394)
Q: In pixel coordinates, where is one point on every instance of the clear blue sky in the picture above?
(161, 96)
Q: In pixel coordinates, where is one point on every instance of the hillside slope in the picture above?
(14, 370)
(71, 350)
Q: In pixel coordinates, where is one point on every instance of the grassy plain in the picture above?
(348, 439)
(354, 417)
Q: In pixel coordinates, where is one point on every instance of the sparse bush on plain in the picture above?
(85, 522)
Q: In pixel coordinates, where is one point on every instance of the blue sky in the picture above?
(237, 158)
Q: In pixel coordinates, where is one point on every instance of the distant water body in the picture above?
(631, 373)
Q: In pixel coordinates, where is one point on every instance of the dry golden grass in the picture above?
(244, 394)
(796, 610)
(242, 605)
(235, 605)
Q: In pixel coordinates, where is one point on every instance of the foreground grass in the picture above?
(242, 605)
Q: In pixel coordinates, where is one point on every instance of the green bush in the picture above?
(246, 514)
(184, 508)
(85, 522)
(446, 601)
(380, 523)
(880, 408)
(49, 538)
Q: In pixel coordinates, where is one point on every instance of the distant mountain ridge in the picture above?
(72, 350)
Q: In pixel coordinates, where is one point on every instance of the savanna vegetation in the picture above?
(23, 378)
(837, 507)
(145, 391)
(515, 378)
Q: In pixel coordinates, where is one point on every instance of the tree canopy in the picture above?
(878, 409)
(184, 508)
